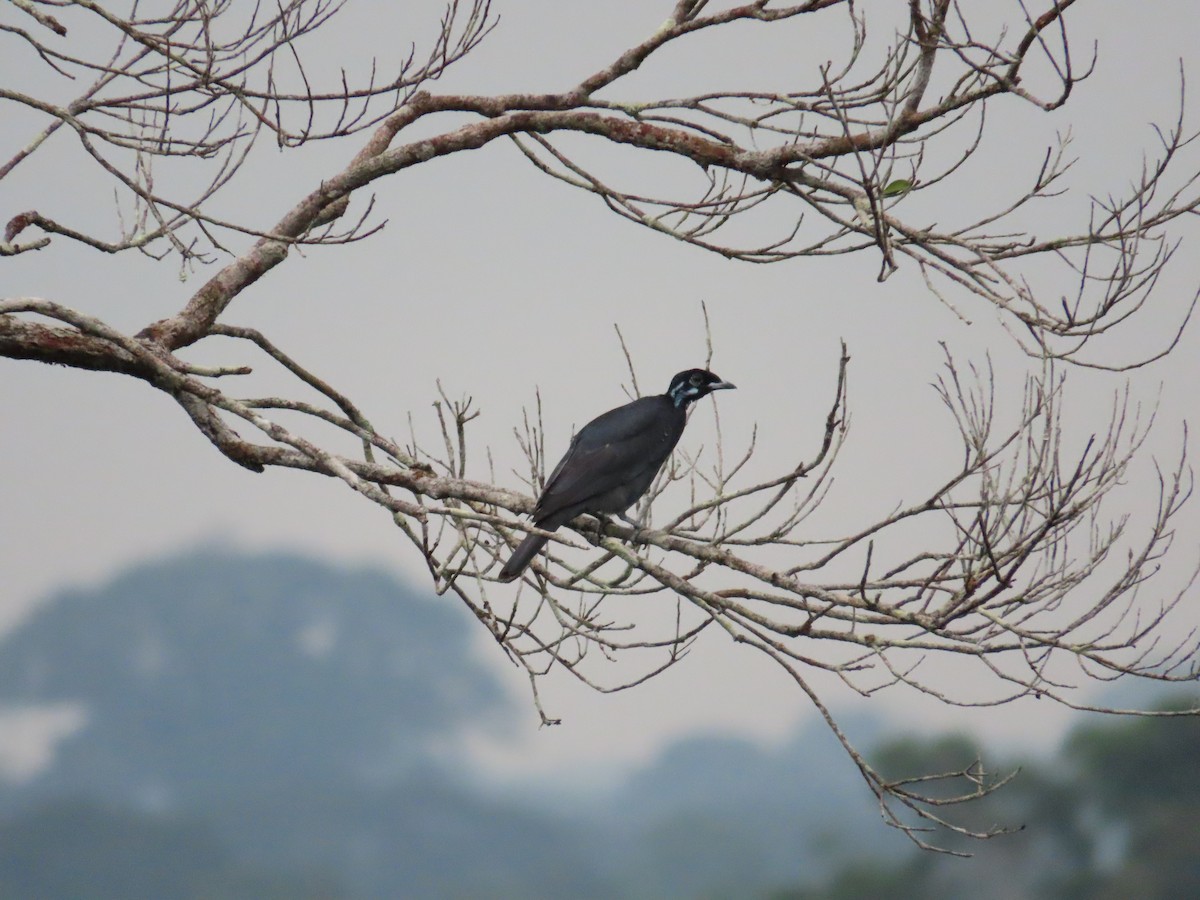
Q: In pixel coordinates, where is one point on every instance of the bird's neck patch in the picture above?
(682, 394)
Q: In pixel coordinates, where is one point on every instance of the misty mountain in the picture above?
(224, 674)
(266, 726)
(763, 815)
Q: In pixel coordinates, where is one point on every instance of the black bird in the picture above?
(613, 460)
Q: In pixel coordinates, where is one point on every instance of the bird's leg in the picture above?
(635, 524)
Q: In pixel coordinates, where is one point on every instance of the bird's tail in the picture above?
(522, 556)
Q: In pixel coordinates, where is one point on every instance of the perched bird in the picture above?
(613, 460)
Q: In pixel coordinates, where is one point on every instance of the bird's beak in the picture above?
(722, 386)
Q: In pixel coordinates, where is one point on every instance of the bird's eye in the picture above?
(696, 380)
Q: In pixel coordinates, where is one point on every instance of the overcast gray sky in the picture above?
(496, 280)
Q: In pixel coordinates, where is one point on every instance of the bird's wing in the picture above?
(611, 450)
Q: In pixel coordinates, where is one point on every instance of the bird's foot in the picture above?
(636, 525)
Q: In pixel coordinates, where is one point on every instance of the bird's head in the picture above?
(694, 384)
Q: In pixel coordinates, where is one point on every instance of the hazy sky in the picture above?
(497, 281)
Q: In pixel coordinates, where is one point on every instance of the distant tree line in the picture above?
(1115, 814)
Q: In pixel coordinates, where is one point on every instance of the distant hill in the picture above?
(262, 726)
(221, 673)
(762, 816)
